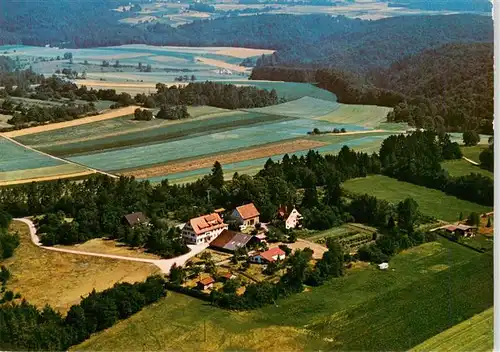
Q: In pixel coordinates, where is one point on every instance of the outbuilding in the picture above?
(383, 266)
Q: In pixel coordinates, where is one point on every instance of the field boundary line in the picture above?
(57, 158)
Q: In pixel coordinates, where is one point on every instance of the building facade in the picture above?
(203, 229)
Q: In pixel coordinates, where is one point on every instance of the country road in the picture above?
(470, 161)
(163, 264)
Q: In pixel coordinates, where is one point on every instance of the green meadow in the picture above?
(427, 290)
(431, 202)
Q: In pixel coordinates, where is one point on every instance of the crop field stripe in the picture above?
(305, 107)
(228, 157)
(84, 120)
(475, 334)
(63, 169)
(15, 156)
(163, 134)
(74, 175)
(114, 127)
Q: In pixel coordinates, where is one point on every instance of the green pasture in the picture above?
(474, 334)
(432, 288)
(305, 107)
(15, 157)
(363, 115)
(462, 167)
(431, 202)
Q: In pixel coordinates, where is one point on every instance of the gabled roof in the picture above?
(231, 240)
(135, 218)
(207, 281)
(228, 275)
(269, 254)
(206, 223)
(247, 211)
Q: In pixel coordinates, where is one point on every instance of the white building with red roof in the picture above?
(268, 256)
(203, 229)
(246, 215)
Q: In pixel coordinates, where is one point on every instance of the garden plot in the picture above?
(305, 107)
(201, 145)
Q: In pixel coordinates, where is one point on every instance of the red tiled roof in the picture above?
(206, 223)
(269, 254)
(247, 211)
(207, 281)
(227, 275)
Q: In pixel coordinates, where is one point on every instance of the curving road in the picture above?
(163, 264)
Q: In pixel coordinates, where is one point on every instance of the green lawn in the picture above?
(431, 202)
(462, 168)
(432, 287)
(363, 115)
(473, 152)
(474, 334)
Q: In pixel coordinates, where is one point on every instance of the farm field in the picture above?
(317, 320)
(431, 202)
(76, 122)
(110, 127)
(474, 334)
(243, 137)
(208, 161)
(305, 107)
(21, 165)
(60, 279)
(462, 167)
(364, 115)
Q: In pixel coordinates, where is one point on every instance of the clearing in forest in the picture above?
(60, 279)
(364, 115)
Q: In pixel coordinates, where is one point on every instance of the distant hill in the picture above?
(309, 40)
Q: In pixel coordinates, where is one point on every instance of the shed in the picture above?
(383, 266)
(206, 283)
(135, 218)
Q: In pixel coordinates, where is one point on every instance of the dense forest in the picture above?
(445, 89)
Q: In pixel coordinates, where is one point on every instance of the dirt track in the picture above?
(207, 161)
(84, 120)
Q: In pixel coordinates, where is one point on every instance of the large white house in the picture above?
(293, 219)
(203, 229)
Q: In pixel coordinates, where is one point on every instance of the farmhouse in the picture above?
(268, 256)
(292, 218)
(135, 218)
(206, 283)
(230, 241)
(227, 276)
(203, 229)
(246, 215)
(460, 229)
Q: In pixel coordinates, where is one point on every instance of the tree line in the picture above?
(25, 327)
(417, 158)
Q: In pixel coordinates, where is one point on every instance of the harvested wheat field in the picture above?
(22, 180)
(82, 121)
(222, 64)
(60, 279)
(227, 158)
(243, 53)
